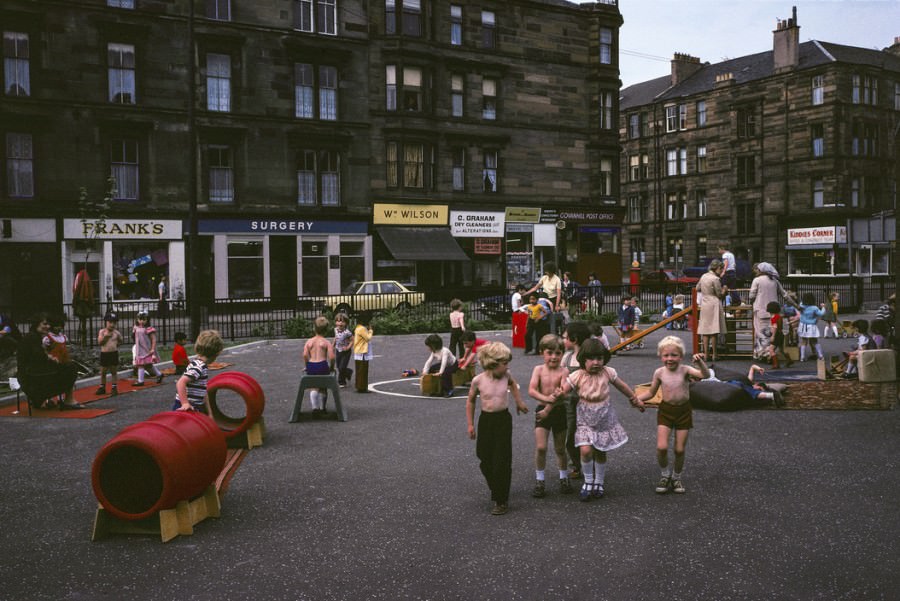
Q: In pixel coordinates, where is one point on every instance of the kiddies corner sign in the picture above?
(477, 224)
(817, 235)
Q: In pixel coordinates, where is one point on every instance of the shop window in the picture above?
(16, 64)
(315, 266)
(245, 269)
(19, 165)
(124, 168)
(137, 269)
(353, 262)
(218, 82)
(120, 59)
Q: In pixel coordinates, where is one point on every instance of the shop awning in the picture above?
(421, 244)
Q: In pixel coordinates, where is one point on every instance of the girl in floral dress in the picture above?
(597, 427)
(145, 355)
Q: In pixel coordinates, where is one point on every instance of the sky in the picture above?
(717, 30)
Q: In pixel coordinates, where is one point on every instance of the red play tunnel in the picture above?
(251, 393)
(154, 464)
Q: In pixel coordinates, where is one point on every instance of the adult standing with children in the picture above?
(765, 289)
(712, 314)
(550, 288)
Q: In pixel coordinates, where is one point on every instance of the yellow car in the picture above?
(376, 295)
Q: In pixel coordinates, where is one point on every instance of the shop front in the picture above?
(833, 251)
(30, 278)
(415, 246)
(481, 234)
(578, 240)
(126, 259)
(284, 258)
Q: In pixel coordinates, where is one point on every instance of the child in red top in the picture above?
(55, 342)
(777, 336)
(179, 354)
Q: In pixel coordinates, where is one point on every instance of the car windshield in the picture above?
(351, 288)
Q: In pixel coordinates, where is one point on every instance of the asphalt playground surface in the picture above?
(780, 504)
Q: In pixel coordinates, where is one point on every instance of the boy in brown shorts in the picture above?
(675, 409)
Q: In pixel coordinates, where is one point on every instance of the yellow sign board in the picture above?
(523, 214)
(397, 214)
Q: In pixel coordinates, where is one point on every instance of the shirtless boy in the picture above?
(675, 409)
(494, 441)
(550, 414)
(318, 353)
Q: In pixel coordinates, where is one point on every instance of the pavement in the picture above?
(391, 504)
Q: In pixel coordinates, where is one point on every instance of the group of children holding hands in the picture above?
(572, 389)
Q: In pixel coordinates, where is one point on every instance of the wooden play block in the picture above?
(168, 523)
(463, 376)
(430, 384)
(877, 365)
(792, 352)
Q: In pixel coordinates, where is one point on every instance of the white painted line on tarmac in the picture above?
(373, 388)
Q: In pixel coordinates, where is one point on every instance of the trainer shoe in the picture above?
(778, 398)
(677, 487)
(539, 491)
(662, 487)
(585, 494)
(99, 391)
(565, 487)
(597, 492)
(499, 509)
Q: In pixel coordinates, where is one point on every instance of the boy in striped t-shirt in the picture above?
(190, 390)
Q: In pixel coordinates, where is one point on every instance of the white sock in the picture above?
(587, 470)
(666, 472)
(141, 372)
(539, 475)
(314, 399)
(676, 476)
(819, 351)
(563, 474)
(599, 472)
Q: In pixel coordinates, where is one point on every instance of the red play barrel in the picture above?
(248, 389)
(154, 464)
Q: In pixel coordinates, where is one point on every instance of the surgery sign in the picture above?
(477, 224)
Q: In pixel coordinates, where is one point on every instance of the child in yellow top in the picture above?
(362, 350)
(675, 409)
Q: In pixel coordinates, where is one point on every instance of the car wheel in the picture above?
(403, 307)
(344, 308)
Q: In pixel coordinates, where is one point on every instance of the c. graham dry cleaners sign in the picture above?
(477, 224)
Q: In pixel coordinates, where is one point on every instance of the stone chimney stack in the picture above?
(895, 49)
(683, 66)
(787, 44)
